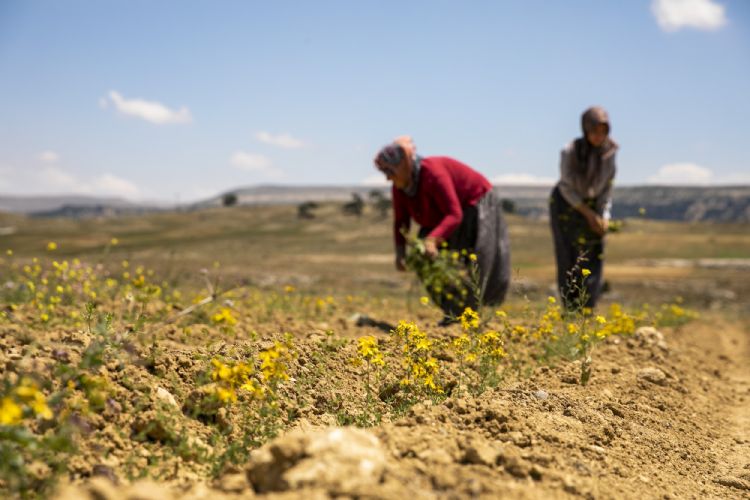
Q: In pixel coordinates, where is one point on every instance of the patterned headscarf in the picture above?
(391, 155)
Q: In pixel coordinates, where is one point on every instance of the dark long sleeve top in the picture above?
(445, 186)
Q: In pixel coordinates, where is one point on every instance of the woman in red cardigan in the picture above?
(453, 204)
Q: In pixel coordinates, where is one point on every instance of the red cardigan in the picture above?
(445, 186)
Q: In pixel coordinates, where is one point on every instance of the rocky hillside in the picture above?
(692, 204)
(720, 204)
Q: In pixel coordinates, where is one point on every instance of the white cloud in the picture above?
(151, 111)
(523, 180)
(682, 174)
(55, 180)
(251, 162)
(111, 184)
(672, 15)
(49, 156)
(376, 180)
(285, 141)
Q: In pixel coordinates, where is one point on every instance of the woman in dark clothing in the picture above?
(454, 205)
(579, 210)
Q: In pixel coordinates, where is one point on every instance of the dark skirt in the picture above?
(482, 231)
(577, 247)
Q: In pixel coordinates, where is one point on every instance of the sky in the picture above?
(177, 101)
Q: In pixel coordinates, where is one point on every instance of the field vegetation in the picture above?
(176, 346)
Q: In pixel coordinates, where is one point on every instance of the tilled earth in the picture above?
(665, 415)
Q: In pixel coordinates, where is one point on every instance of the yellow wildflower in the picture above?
(469, 319)
(10, 412)
(51, 246)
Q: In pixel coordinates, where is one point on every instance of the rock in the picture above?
(105, 471)
(541, 395)
(153, 426)
(436, 456)
(98, 488)
(653, 375)
(344, 461)
(165, 396)
(650, 336)
(512, 462)
(147, 489)
(519, 439)
(734, 482)
(233, 483)
(481, 453)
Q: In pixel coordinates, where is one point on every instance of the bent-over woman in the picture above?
(454, 205)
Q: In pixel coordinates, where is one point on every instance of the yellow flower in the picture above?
(572, 328)
(225, 395)
(114, 242)
(501, 314)
(367, 346)
(473, 257)
(221, 371)
(51, 246)
(40, 408)
(469, 319)
(551, 300)
(224, 316)
(601, 319)
(9, 252)
(642, 211)
(585, 272)
(424, 300)
(10, 412)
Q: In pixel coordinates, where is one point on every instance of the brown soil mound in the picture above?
(663, 416)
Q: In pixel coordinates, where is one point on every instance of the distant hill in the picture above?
(280, 195)
(71, 206)
(720, 203)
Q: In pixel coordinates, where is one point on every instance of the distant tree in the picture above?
(229, 199)
(509, 207)
(380, 203)
(375, 195)
(304, 210)
(354, 207)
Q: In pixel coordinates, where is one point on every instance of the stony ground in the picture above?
(666, 413)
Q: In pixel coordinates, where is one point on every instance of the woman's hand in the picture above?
(400, 264)
(596, 222)
(430, 247)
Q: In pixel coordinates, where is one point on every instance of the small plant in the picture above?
(421, 368)
(369, 355)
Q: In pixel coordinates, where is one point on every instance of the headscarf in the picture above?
(392, 154)
(584, 151)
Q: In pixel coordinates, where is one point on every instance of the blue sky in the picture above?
(180, 100)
